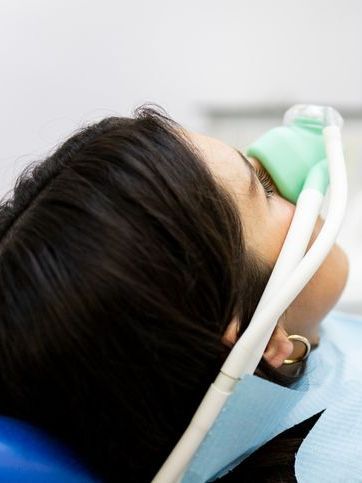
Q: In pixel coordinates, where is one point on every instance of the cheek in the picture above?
(333, 273)
(266, 231)
(285, 211)
(281, 215)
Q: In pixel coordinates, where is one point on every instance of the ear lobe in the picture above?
(279, 347)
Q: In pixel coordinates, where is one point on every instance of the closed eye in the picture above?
(265, 181)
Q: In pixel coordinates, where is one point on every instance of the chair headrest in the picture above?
(30, 455)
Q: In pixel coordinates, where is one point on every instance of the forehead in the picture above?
(225, 163)
(214, 150)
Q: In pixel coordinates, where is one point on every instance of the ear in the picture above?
(279, 347)
(229, 337)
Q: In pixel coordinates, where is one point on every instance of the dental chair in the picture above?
(30, 455)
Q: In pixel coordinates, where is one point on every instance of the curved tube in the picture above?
(248, 351)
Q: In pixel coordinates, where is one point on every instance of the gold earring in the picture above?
(306, 342)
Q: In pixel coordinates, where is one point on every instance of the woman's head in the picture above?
(124, 259)
(266, 217)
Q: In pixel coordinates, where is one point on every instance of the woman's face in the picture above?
(266, 217)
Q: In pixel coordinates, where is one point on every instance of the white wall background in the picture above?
(67, 62)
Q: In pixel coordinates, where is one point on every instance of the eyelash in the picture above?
(266, 182)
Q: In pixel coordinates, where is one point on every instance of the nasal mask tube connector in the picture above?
(294, 154)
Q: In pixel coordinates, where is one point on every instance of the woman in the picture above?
(132, 259)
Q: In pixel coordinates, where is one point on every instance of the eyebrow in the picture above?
(253, 186)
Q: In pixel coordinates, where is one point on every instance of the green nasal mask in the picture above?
(294, 154)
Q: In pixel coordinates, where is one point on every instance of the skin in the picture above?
(266, 222)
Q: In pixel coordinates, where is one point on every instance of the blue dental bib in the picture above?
(259, 410)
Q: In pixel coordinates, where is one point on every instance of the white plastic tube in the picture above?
(244, 355)
(218, 392)
(247, 352)
(293, 250)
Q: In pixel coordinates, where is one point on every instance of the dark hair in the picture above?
(273, 462)
(122, 261)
